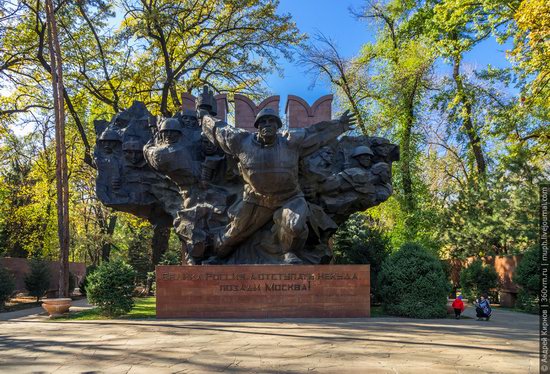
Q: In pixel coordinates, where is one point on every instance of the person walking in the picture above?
(458, 306)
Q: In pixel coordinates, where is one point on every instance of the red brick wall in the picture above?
(299, 114)
(20, 266)
(263, 291)
(505, 266)
(246, 110)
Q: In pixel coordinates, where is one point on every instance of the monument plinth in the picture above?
(263, 291)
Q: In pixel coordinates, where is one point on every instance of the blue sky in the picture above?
(333, 19)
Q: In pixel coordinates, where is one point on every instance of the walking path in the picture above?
(508, 343)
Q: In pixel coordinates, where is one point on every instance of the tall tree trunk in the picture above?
(473, 137)
(108, 230)
(60, 151)
(405, 163)
(161, 237)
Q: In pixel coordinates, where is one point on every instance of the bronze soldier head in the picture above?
(170, 131)
(363, 155)
(109, 140)
(267, 122)
(189, 118)
(133, 151)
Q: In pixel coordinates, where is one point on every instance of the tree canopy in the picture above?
(474, 140)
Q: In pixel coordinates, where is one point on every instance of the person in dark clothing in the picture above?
(483, 308)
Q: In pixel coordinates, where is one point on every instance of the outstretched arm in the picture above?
(320, 134)
(228, 138)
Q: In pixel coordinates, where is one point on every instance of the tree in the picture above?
(227, 44)
(37, 280)
(478, 279)
(110, 287)
(61, 170)
(361, 240)
(349, 77)
(7, 286)
(413, 284)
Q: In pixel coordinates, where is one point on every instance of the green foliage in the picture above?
(37, 280)
(478, 279)
(442, 199)
(413, 284)
(171, 257)
(84, 281)
(527, 274)
(110, 287)
(527, 302)
(361, 240)
(139, 252)
(7, 286)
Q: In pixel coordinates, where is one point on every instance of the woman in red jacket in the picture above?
(458, 306)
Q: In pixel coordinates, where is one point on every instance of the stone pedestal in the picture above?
(263, 291)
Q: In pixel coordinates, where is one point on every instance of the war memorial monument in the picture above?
(246, 199)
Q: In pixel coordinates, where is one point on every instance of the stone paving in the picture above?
(506, 344)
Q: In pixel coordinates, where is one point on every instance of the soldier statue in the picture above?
(269, 164)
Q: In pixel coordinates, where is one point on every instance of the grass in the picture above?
(144, 307)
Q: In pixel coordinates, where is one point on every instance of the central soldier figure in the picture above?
(268, 162)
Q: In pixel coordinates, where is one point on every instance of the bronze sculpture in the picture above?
(235, 196)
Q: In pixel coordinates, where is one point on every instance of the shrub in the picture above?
(37, 280)
(7, 286)
(360, 240)
(84, 282)
(110, 287)
(527, 276)
(412, 284)
(527, 302)
(478, 279)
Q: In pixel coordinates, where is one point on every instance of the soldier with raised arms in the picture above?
(268, 162)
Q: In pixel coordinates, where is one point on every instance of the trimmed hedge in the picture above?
(110, 288)
(412, 284)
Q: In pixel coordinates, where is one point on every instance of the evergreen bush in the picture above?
(110, 288)
(412, 283)
(7, 286)
(527, 276)
(478, 279)
(84, 282)
(360, 240)
(37, 280)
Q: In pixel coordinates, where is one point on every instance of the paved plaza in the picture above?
(506, 344)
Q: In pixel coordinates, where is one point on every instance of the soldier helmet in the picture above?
(268, 112)
(189, 113)
(132, 145)
(362, 150)
(171, 124)
(110, 134)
